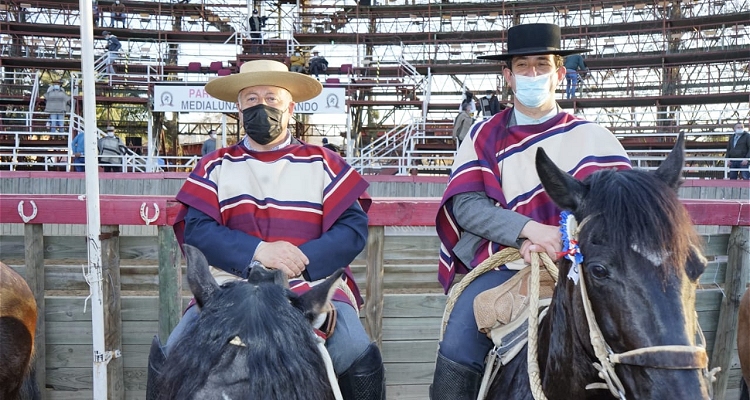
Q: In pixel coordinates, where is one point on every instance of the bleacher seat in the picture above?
(333, 82)
(194, 67)
(346, 69)
(224, 72)
(215, 66)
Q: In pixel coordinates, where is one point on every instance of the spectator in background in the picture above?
(468, 98)
(738, 147)
(256, 23)
(318, 65)
(210, 144)
(113, 49)
(57, 103)
(77, 147)
(298, 61)
(574, 65)
(111, 150)
(490, 104)
(95, 13)
(118, 14)
(462, 123)
(330, 146)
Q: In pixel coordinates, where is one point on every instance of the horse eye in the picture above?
(598, 271)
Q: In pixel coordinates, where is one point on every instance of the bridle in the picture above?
(662, 357)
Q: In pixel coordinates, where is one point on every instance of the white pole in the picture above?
(223, 130)
(349, 141)
(150, 149)
(93, 217)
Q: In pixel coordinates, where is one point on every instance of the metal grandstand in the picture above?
(657, 68)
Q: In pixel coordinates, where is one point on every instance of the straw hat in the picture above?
(264, 73)
(533, 39)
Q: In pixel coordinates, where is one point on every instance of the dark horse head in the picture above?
(641, 264)
(17, 329)
(253, 339)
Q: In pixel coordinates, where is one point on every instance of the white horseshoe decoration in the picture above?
(144, 213)
(23, 216)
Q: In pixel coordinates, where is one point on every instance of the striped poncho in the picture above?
(294, 194)
(500, 161)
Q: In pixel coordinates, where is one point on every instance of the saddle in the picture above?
(502, 312)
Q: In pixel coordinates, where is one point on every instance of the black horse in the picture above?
(743, 344)
(253, 340)
(641, 264)
(18, 316)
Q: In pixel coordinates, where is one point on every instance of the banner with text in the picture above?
(194, 98)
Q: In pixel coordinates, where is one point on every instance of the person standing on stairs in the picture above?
(113, 50)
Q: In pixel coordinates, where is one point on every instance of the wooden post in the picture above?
(374, 285)
(34, 258)
(110, 242)
(170, 282)
(738, 265)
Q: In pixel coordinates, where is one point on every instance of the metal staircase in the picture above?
(408, 149)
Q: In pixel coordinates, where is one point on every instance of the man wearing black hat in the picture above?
(494, 200)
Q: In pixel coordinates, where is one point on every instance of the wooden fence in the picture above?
(397, 270)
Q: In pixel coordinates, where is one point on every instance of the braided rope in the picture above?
(500, 258)
(532, 354)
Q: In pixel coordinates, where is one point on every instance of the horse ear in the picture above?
(201, 282)
(260, 274)
(670, 171)
(315, 301)
(566, 191)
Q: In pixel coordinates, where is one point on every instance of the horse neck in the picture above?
(566, 360)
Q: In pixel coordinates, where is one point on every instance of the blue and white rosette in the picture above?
(570, 249)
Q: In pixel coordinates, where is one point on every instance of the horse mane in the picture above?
(280, 358)
(636, 208)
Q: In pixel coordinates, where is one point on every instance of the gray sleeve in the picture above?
(476, 213)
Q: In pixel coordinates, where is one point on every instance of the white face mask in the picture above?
(738, 131)
(533, 91)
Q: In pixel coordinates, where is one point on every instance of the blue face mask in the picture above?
(533, 91)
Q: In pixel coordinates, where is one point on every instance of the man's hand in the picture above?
(540, 238)
(283, 256)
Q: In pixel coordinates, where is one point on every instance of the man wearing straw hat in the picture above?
(289, 205)
(494, 199)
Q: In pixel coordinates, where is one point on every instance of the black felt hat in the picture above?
(533, 39)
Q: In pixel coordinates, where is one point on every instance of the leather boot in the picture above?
(156, 358)
(453, 381)
(365, 379)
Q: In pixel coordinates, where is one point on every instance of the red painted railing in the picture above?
(385, 211)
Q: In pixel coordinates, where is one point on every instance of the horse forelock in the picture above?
(277, 343)
(635, 211)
